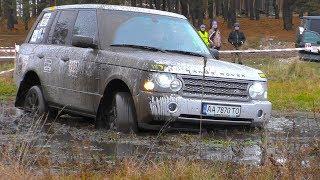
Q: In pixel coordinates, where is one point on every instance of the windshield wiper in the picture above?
(187, 53)
(139, 47)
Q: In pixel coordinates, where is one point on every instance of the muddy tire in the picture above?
(126, 115)
(120, 115)
(34, 102)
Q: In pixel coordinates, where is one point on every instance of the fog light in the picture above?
(149, 86)
(260, 113)
(172, 107)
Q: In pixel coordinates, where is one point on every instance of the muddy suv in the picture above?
(308, 35)
(132, 68)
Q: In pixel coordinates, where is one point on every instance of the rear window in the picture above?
(42, 28)
(315, 25)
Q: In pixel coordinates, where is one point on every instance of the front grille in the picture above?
(216, 88)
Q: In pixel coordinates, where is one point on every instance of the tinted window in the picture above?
(42, 28)
(86, 24)
(62, 32)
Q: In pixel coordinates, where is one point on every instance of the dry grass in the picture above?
(293, 84)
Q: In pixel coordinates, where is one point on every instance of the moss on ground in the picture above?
(7, 89)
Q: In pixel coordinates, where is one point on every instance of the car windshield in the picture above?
(311, 37)
(156, 31)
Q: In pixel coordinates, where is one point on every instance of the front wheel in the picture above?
(120, 115)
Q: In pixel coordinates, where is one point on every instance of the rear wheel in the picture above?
(120, 115)
(34, 103)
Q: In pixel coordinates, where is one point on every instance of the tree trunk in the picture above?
(247, 8)
(267, 10)
(52, 3)
(276, 9)
(151, 4)
(158, 4)
(184, 8)
(26, 14)
(251, 9)
(257, 9)
(34, 8)
(134, 3)
(287, 14)
(177, 6)
(1, 14)
(139, 3)
(164, 5)
(202, 10)
(170, 5)
(232, 16)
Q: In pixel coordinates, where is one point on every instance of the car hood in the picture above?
(180, 64)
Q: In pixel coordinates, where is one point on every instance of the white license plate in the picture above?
(221, 110)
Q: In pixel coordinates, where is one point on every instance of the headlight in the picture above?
(162, 82)
(258, 91)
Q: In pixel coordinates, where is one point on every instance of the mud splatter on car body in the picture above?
(145, 64)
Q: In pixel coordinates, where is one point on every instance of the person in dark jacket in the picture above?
(237, 39)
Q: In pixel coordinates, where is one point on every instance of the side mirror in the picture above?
(84, 42)
(215, 53)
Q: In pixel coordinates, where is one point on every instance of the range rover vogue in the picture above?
(132, 68)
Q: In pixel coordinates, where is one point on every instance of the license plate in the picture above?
(221, 110)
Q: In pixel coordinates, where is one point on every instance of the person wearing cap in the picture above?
(237, 39)
(215, 36)
(204, 34)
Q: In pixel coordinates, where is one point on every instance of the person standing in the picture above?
(203, 33)
(237, 39)
(215, 36)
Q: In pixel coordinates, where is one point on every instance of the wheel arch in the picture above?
(30, 79)
(113, 86)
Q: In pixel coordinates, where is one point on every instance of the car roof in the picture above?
(311, 17)
(117, 8)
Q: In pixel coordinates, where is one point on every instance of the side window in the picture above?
(62, 31)
(42, 28)
(86, 24)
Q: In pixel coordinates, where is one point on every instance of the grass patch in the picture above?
(293, 84)
(6, 66)
(7, 89)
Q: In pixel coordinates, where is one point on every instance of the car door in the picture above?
(55, 65)
(80, 79)
(43, 55)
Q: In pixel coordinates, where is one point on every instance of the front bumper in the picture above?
(153, 108)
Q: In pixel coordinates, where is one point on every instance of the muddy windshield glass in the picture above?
(140, 29)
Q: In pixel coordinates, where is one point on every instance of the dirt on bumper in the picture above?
(155, 107)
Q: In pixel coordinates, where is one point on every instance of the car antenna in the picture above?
(205, 61)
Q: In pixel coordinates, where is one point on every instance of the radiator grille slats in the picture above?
(216, 88)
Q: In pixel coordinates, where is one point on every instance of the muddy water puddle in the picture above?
(70, 140)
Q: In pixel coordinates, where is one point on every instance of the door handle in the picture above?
(40, 56)
(65, 59)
